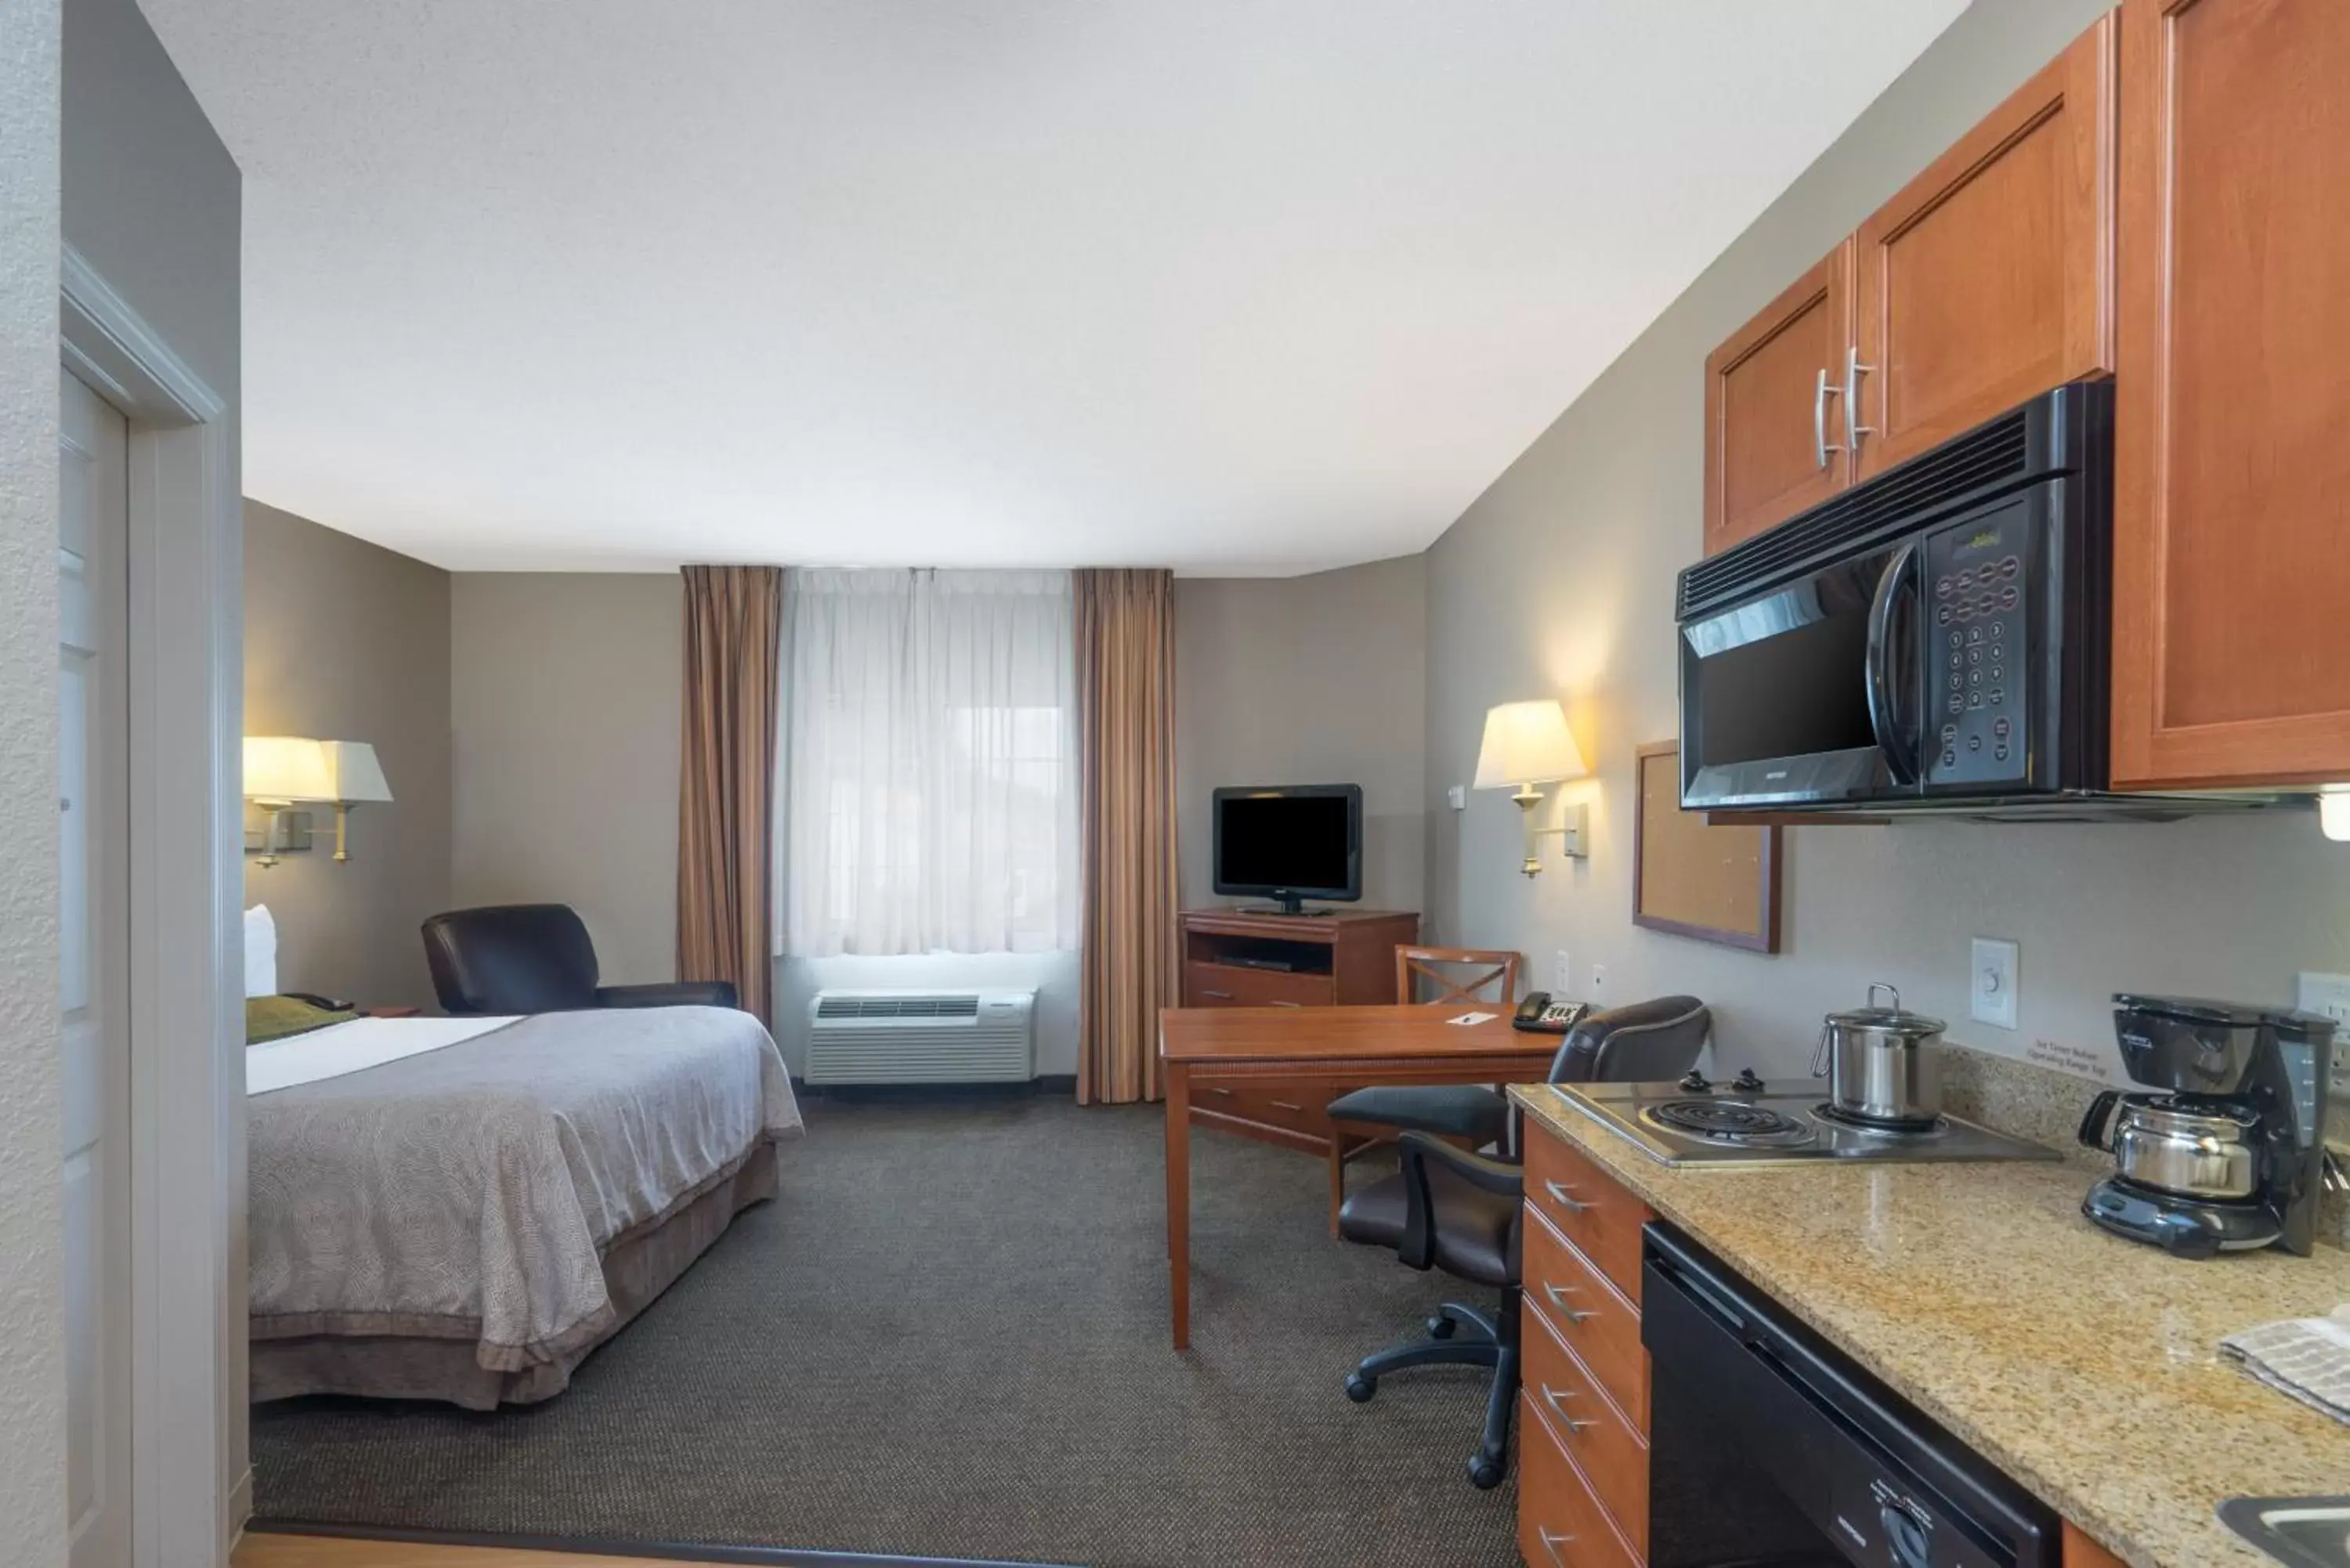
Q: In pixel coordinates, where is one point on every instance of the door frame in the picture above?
(191, 1484)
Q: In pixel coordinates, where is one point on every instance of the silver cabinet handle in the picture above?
(1821, 393)
(1552, 1541)
(1565, 1311)
(1286, 1004)
(1551, 1396)
(1219, 995)
(1853, 371)
(1287, 1106)
(1558, 1196)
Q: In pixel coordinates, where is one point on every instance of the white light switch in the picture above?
(1991, 991)
(1457, 796)
(1562, 975)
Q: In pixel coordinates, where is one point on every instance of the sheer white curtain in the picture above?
(927, 765)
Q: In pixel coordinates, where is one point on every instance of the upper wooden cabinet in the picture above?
(1990, 279)
(2231, 535)
(1986, 280)
(1774, 445)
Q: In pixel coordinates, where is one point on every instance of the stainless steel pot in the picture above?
(1882, 1063)
(2195, 1149)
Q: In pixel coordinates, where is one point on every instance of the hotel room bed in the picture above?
(462, 1208)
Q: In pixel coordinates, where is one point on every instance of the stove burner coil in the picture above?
(1727, 1121)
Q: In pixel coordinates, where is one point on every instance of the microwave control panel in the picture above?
(1976, 597)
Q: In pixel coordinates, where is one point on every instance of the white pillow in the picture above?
(260, 952)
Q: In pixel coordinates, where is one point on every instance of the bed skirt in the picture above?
(637, 1266)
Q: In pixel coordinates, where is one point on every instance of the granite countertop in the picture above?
(2082, 1365)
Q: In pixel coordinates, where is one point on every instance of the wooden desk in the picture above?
(1330, 1045)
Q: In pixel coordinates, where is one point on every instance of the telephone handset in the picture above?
(1540, 1015)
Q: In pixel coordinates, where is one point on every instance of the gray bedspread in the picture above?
(468, 1192)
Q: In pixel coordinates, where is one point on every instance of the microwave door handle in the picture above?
(1884, 708)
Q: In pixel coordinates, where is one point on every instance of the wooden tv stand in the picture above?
(1232, 958)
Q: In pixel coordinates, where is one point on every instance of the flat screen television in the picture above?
(1290, 843)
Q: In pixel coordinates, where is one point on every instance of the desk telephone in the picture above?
(1540, 1015)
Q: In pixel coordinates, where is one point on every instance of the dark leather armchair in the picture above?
(1449, 1210)
(537, 958)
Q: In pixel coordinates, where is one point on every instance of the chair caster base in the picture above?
(1441, 1327)
(1360, 1388)
(1486, 1472)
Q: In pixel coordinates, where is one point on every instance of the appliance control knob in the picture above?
(1747, 1082)
(1695, 1083)
(1904, 1537)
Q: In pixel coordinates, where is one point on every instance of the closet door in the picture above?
(1773, 442)
(1989, 277)
(93, 950)
(2232, 534)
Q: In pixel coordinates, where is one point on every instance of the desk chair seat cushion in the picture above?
(1449, 1110)
(1476, 1231)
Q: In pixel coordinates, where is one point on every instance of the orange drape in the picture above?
(1126, 751)
(726, 783)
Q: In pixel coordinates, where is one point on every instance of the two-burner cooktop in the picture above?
(1747, 1121)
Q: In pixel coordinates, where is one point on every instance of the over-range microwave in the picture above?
(1933, 640)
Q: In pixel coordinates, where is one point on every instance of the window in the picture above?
(927, 774)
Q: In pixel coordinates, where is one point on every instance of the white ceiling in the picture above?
(1236, 286)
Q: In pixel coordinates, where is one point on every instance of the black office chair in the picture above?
(537, 958)
(1447, 1209)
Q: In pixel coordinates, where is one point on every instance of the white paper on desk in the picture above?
(1469, 1018)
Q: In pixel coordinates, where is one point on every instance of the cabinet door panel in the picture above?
(1773, 443)
(2233, 396)
(1989, 277)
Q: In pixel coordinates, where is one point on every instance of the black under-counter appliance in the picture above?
(1933, 640)
(1769, 1449)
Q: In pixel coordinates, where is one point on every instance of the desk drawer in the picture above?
(1297, 1107)
(1584, 1311)
(1612, 1456)
(1572, 1192)
(1237, 985)
(1560, 1524)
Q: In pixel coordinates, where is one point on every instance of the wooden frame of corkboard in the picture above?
(1715, 882)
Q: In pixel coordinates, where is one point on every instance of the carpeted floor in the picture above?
(949, 1336)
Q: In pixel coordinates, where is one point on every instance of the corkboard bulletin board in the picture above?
(1717, 884)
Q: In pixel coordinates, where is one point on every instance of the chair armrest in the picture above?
(1418, 1247)
(678, 993)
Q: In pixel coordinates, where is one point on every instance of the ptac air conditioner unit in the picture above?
(922, 1036)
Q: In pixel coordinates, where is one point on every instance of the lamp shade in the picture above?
(1527, 743)
(287, 768)
(352, 773)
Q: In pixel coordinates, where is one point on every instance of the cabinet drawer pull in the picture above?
(1821, 392)
(1210, 1089)
(1565, 1311)
(1219, 995)
(1279, 1003)
(1551, 1396)
(1558, 1196)
(1853, 371)
(1287, 1106)
(1552, 1541)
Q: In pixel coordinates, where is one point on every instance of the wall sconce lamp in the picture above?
(281, 770)
(1525, 744)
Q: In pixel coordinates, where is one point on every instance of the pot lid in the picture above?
(1893, 1020)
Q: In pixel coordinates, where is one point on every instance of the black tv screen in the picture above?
(1302, 841)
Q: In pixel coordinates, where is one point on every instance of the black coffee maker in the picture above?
(2229, 1156)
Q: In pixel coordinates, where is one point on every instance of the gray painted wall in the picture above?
(1559, 580)
(564, 692)
(347, 640)
(1311, 680)
(32, 1304)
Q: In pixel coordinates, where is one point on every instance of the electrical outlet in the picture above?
(1598, 980)
(1992, 983)
(1457, 796)
(1562, 974)
(2328, 996)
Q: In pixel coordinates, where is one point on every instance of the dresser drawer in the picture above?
(1560, 1524)
(1237, 985)
(1584, 1311)
(1613, 1458)
(1589, 1209)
